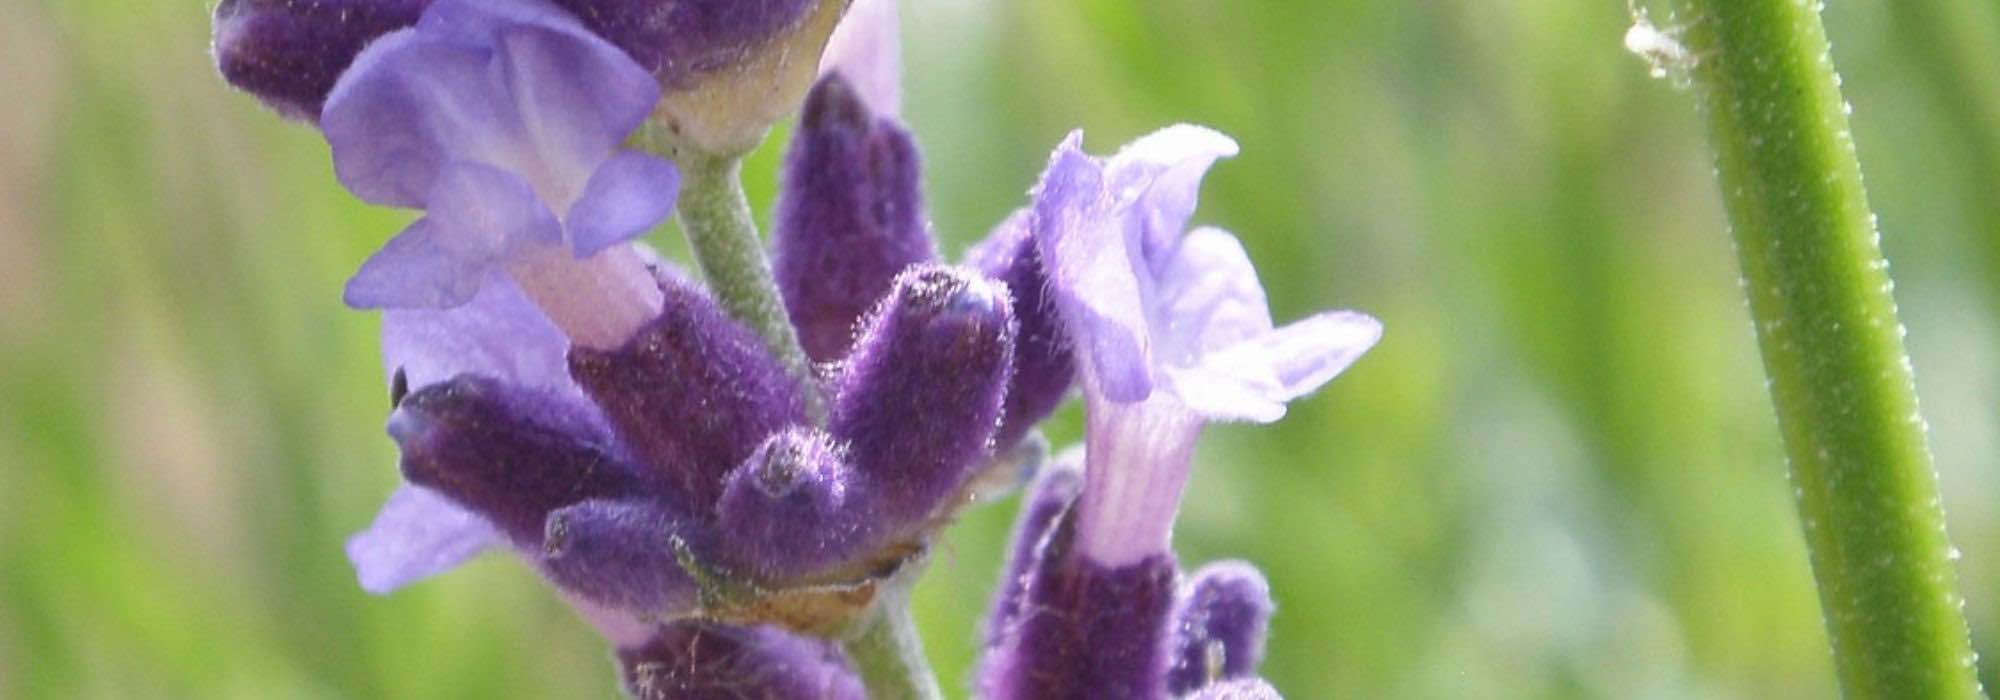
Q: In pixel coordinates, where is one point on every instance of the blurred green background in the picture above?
(1558, 475)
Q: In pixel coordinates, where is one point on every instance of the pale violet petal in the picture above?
(1209, 298)
(412, 272)
(1160, 176)
(629, 193)
(1253, 380)
(571, 124)
(1093, 274)
(1308, 353)
(1221, 391)
(484, 215)
(500, 333)
(416, 535)
(867, 49)
(405, 109)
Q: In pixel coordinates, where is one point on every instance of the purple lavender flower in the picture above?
(1219, 626)
(695, 660)
(289, 53)
(850, 216)
(1171, 332)
(502, 119)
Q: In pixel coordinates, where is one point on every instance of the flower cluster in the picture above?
(725, 515)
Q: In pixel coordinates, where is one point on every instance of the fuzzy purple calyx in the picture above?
(626, 555)
(1219, 626)
(511, 455)
(1047, 499)
(289, 53)
(788, 511)
(680, 40)
(1086, 630)
(699, 660)
(1044, 366)
(693, 393)
(921, 394)
(850, 216)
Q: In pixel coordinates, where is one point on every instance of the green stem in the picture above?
(722, 233)
(1826, 322)
(890, 657)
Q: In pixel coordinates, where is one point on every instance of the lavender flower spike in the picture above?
(697, 660)
(867, 49)
(1171, 330)
(850, 216)
(502, 119)
(289, 53)
(1219, 626)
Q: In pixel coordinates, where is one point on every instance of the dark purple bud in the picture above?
(1051, 494)
(1085, 631)
(507, 453)
(692, 393)
(850, 216)
(698, 660)
(1219, 626)
(679, 40)
(289, 52)
(1044, 368)
(921, 393)
(784, 514)
(1245, 689)
(621, 554)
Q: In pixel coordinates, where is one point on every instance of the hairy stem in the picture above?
(890, 657)
(1826, 323)
(715, 215)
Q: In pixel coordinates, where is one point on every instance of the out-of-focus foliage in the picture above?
(1557, 476)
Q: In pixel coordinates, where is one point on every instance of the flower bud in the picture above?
(692, 393)
(731, 68)
(1041, 508)
(921, 393)
(621, 554)
(290, 53)
(1044, 368)
(700, 660)
(785, 510)
(511, 455)
(1219, 626)
(850, 216)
